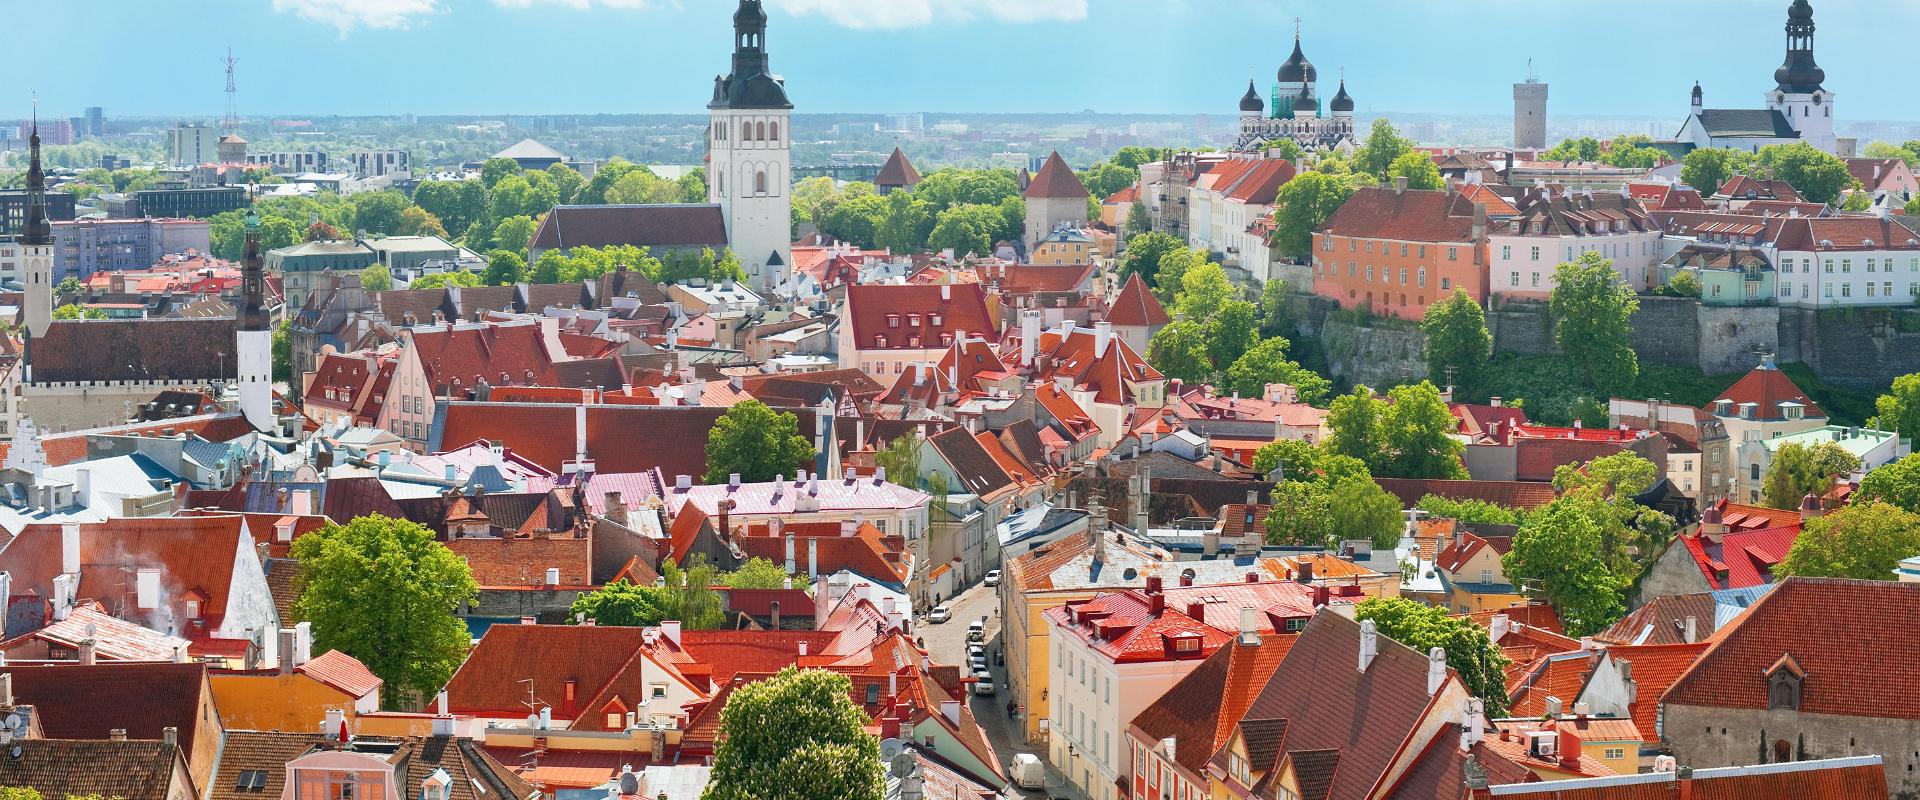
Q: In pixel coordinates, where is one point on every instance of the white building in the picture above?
(1798, 109)
(1555, 229)
(1229, 209)
(1818, 262)
(750, 169)
(1297, 114)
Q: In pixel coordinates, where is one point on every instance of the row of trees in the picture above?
(1322, 497)
(1818, 175)
(685, 593)
(965, 210)
(1216, 334)
(1631, 150)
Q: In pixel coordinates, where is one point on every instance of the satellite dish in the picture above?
(12, 723)
(16, 751)
(533, 720)
(629, 783)
(890, 749)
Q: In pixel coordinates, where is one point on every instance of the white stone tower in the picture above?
(1799, 96)
(36, 242)
(750, 154)
(253, 335)
(1530, 112)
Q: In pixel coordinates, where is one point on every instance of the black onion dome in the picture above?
(1305, 102)
(1341, 100)
(750, 13)
(1298, 69)
(1251, 103)
(1801, 9)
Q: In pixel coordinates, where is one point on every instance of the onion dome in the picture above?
(1342, 102)
(1298, 69)
(750, 13)
(1305, 102)
(1251, 103)
(1801, 10)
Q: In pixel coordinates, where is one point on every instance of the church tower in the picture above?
(253, 335)
(749, 173)
(1799, 96)
(36, 242)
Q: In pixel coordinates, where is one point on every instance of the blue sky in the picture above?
(162, 57)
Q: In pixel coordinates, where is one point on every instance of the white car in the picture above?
(979, 664)
(976, 651)
(940, 613)
(993, 578)
(983, 684)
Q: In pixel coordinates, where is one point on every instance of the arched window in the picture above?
(760, 182)
(774, 134)
(760, 132)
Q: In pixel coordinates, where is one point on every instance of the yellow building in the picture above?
(1472, 575)
(297, 697)
(1065, 246)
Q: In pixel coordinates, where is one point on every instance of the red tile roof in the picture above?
(71, 701)
(1513, 494)
(1741, 558)
(1136, 306)
(1201, 710)
(885, 312)
(1854, 639)
(1768, 388)
(1123, 627)
(898, 171)
(501, 354)
(1860, 778)
(1537, 459)
(341, 671)
(193, 553)
(1655, 668)
(619, 438)
(522, 563)
(1412, 215)
(1056, 180)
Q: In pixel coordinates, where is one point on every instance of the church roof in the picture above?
(1729, 123)
(1056, 180)
(171, 350)
(898, 171)
(1342, 101)
(1251, 102)
(1297, 69)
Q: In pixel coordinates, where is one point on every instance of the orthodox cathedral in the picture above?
(1297, 112)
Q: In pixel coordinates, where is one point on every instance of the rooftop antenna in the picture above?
(1531, 76)
(1296, 29)
(232, 122)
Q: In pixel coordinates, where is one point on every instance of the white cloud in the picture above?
(893, 14)
(580, 5)
(346, 15)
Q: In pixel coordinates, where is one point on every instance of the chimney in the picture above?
(813, 559)
(773, 609)
(792, 568)
(6, 591)
(553, 577)
(70, 548)
(1497, 628)
(1712, 524)
(302, 643)
(1809, 507)
(1693, 629)
(1029, 336)
(1197, 610)
(170, 736)
(1369, 644)
(87, 650)
(1436, 670)
(334, 719)
(287, 648)
(1400, 185)
(117, 735)
(6, 689)
(1249, 627)
(1554, 707)
(82, 486)
(1102, 336)
(671, 630)
(146, 589)
(1569, 749)
(442, 725)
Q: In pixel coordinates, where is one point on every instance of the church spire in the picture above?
(38, 231)
(253, 304)
(1799, 74)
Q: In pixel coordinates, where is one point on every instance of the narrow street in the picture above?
(947, 644)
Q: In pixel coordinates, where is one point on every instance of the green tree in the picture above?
(693, 186)
(1384, 145)
(415, 221)
(1267, 362)
(1472, 511)
(1593, 314)
(965, 228)
(906, 225)
(376, 278)
(75, 311)
(1276, 313)
(1355, 426)
(1179, 351)
(795, 736)
(1417, 429)
(1559, 550)
(548, 269)
(496, 170)
(1419, 170)
(945, 188)
(1912, 208)
(1585, 148)
(282, 352)
(1685, 283)
(504, 268)
(319, 231)
(1799, 470)
(1138, 220)
(515, 233)
(524, 195)
(1231, 331)
(759, 573)
(855, 219)
(625, 605)
(566, 181)
(1819, 175)
(1709, 168)
(1305, 462)
(1170, 278)
(1360, 509)
(1857, 199)
(68, 287)
(1143, 254)
(1899, 408)
(1204, 291)
(1297, 516)
(458, 204)
(1106, 178)
(1459, 347)
(1479, 662)
(383, 591)
(1896, 484)
(757, 443)
(459, 278)
(1866, 541)
(640, 186)
(278, 232)
(901, 459)
(1303, 204)
(379, 212)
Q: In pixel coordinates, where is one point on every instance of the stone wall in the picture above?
(1704, 737)
(1858, 349)
(1374, 356)
(1666, 331)
(1521, 328)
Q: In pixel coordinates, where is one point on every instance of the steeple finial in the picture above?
(1296, 30)
(38, 230)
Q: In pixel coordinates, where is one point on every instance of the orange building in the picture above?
(1396, 251)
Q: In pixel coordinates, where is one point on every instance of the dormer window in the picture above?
(893, 320)
(913, 320)
(1784, 684)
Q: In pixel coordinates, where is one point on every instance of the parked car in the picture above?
(976, 651)
(940, 613)
(977, 630)
(993, 578)
(979, 664)
(983, 683)
(1028, 772)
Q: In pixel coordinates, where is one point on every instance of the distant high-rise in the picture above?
(1530, 112)
(96, 121)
